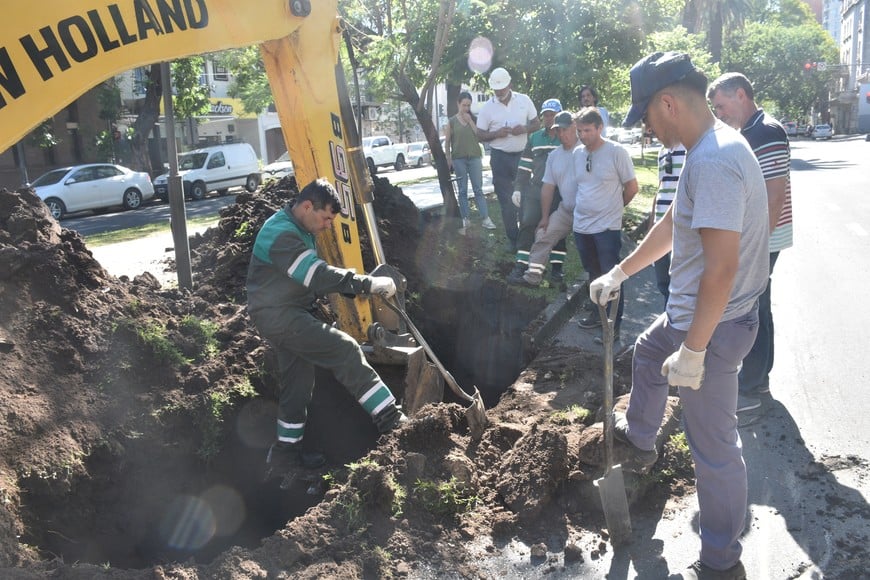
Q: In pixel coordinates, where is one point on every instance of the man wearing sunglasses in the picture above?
(606, 183)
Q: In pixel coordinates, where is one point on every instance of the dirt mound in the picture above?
(136, 419)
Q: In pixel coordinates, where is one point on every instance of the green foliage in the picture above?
(154, 336)
(109, 100)
(210, 422)
(773, 56)
(444, 498)
(43, 136)
(571, 415)
(249, 82)
(190, 98)
(203, 334)
(244, 232)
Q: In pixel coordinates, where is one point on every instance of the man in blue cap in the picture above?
(527, 196)
(717, 231)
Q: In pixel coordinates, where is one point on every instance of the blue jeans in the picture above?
(759, 362)
(710, 421)
(598, 254)
(470, 168)
(504, 174)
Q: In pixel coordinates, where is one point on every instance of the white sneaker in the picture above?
(464, 227)
(487, 224)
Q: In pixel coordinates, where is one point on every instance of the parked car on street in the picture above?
(279, 168)
(94, 186)
(791, 128)
(823, 131)
(418, 154)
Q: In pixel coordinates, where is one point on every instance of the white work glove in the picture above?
(602, 288)
(685, 368)
(383, 285)
(516, 198)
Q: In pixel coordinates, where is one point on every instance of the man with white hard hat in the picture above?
(505, 121)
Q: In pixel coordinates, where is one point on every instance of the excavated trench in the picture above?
(144, 503)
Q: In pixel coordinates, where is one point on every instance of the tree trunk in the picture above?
(424, 117)
(149, 114)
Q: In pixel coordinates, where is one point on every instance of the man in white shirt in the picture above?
(505, 121)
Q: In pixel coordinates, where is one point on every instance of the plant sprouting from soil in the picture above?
(571, 415)
(154, 336)
(203, 334)
(218, 403)
(444, 498)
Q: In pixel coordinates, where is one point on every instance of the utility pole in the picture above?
(177, 215)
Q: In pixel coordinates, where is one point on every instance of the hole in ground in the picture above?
(144, 502)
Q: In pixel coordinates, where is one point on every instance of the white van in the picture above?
(215, 168)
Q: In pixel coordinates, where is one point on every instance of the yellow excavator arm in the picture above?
(53, 52)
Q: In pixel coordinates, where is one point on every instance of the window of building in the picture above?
(221, 73)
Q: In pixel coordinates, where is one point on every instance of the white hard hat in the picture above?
(499, 79)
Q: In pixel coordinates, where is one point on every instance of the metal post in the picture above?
(178, 217)
(22, 164)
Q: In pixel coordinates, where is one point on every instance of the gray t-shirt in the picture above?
(560, 172)
(721, 187)
(599, 191)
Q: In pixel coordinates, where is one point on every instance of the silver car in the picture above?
(94, 186)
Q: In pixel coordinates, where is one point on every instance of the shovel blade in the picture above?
(611, 488)
(476, 417)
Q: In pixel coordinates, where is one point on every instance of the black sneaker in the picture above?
(284, 458)
(700, 571)
(637, 460)
(590, 321)
(557, 280)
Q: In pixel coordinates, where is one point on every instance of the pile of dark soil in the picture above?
(135, 419)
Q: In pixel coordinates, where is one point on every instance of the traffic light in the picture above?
(867, 97)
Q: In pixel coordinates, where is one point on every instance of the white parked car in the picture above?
(418, 154)
(94, 186)
(279, 168)
(823, 131)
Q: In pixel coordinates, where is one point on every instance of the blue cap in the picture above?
(650, 75)
(552, 105)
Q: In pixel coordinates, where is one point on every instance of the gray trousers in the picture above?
(560, 225)
(710, 421)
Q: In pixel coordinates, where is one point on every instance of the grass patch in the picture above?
(571, 415)
(134, 233)
(202, 333)
(155, 337)
(445, 498)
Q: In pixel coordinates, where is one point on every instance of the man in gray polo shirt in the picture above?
(717, 230)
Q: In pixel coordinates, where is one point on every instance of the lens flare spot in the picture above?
(480, 55)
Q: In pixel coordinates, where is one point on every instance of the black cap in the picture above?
(650, 75)
(563, 119)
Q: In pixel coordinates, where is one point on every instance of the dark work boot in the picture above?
(389, 418)
(516, 275)
(284, 458)
(557, 277)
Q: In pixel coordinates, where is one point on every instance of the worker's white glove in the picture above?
(516, 198)
(685, 368)
(383, 285)
(602, 288)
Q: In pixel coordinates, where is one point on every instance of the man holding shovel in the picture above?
(717, 231)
